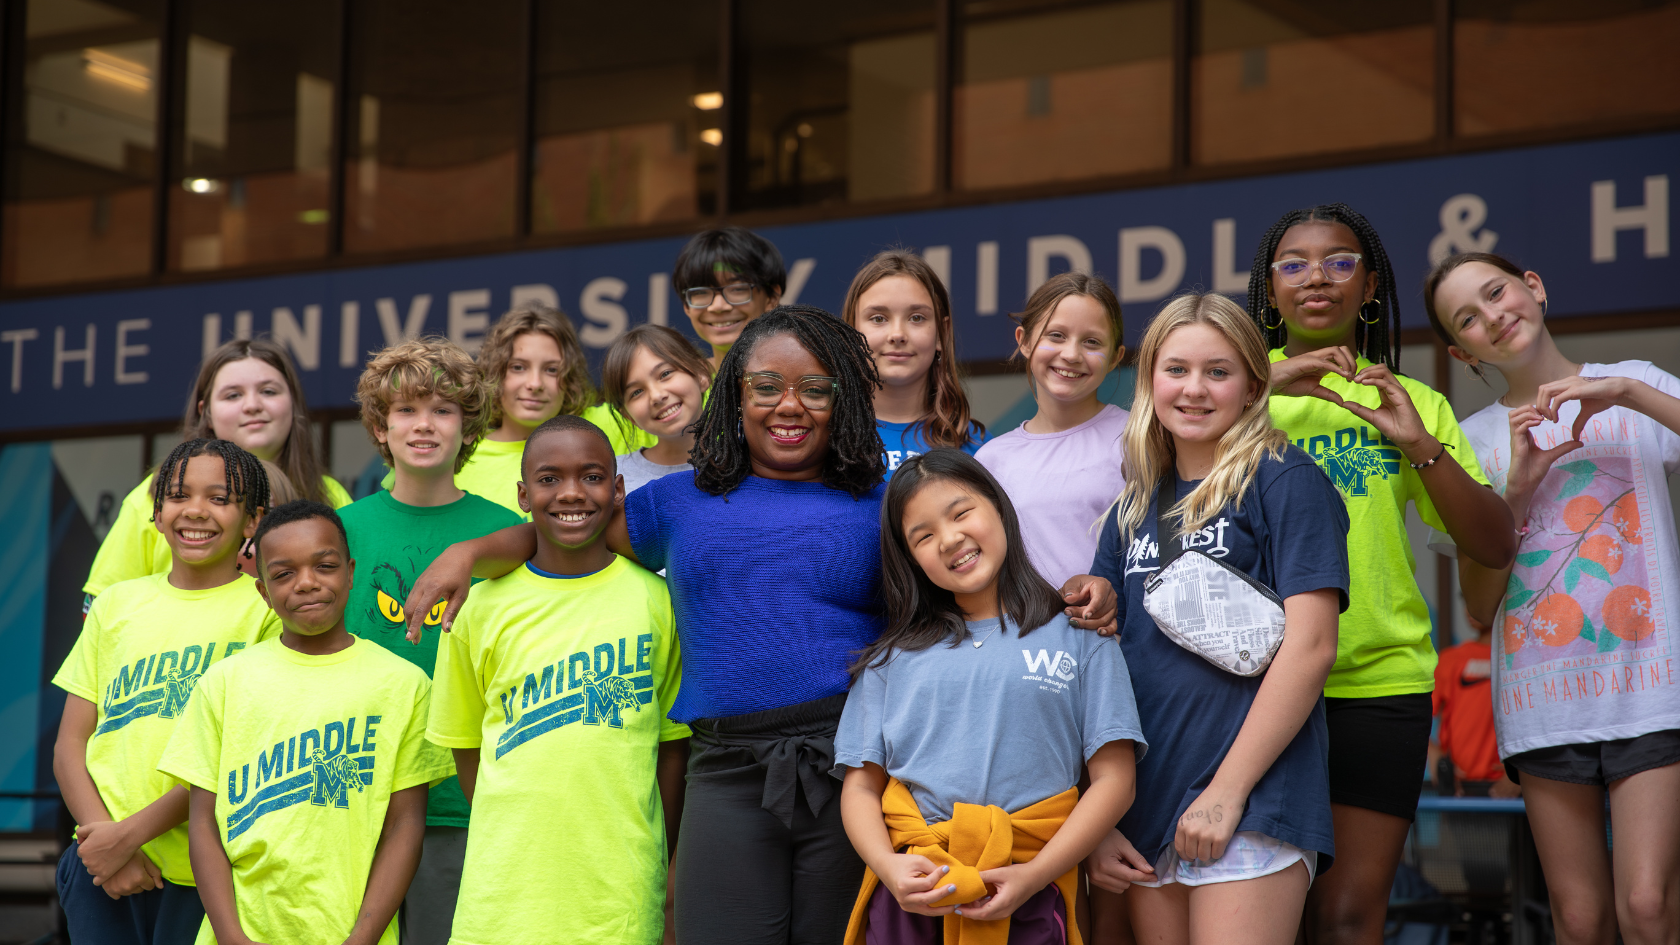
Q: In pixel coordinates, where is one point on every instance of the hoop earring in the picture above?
(1273, 310)
(1542, 308)
(1374, 305)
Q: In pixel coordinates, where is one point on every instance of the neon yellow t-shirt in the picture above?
(566, 684)
(1383, 646)
(143, 646)
(493, 469)
(135, 548)
(304, 753)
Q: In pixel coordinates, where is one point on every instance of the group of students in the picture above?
(789, 622)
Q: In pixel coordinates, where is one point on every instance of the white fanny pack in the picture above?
(1208, 607)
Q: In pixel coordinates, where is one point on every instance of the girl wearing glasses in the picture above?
(772, 553)
(901, 307)
(1321, 289)
(1582, 454)
(726, 278)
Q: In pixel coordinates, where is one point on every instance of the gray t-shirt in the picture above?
(638, 470)
(1010, 722)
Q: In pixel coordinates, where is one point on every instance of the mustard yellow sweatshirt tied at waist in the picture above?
(975, 839)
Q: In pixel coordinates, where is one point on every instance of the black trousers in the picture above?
(762, 857)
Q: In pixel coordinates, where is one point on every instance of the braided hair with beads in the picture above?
(245, 476)
(1377, 338)
(855, 461)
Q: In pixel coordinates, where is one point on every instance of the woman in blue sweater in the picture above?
(771, 549)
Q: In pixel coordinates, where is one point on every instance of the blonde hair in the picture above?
(419, 368)
(576, 393)
(280, 488)
(1148, 447)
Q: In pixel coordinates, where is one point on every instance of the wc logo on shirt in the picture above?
(593, 686)
(1041, 666)
(1350, 456)
(160, 685)
(321, 765)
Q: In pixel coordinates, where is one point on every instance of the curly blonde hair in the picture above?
(576, 393)
(420, 368)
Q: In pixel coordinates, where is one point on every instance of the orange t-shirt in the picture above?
(1464, 701)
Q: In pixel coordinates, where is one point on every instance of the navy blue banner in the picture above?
(1592, 218)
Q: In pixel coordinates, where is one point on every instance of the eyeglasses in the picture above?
(1338, 267)
(767, 388)
(735, 293)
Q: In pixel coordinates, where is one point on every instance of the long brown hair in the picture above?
(948, 421)
(576, 393)
(1439, 274)
(666, 343)
(297, 457)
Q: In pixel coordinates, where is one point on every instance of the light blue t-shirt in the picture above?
(1010, 722)
(902, 442)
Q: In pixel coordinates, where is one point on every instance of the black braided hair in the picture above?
(246, 477)
(855, 463)
(1379, 342)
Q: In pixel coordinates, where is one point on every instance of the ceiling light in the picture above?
(201, 185)
(708, 101)
(712, 136)
(116, 69)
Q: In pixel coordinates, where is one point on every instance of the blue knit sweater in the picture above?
(776, 587)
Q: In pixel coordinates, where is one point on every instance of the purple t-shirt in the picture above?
(1061, 483)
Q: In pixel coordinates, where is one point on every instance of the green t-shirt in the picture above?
(392, 543)
(1383, 646)
(134, 547)
(492, 471)
(565, 686)
(303, 754)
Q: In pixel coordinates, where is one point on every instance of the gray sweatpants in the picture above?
(428, 911)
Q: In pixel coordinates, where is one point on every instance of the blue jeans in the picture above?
(169, 915)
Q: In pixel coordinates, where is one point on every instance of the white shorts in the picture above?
(1250, 855)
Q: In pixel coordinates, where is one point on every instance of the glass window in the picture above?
(250, 183)
(619, 125)
(435, 123)
(82, 144)
(841, 103)
(1525, 64)
(1061, 89)
(1272, 80)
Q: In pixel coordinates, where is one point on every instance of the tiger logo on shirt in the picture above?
(1351, 457)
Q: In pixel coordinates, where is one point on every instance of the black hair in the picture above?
(920, 613)
(1378, 340)
(244, 474)
(560, 423)
(300, 511)
(729, 249)
(855, 462)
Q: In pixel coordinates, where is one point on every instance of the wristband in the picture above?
(1428, 463)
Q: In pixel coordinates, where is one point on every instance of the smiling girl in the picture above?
(901, 307)
(1232, 818)
(653, 376)
(1322, 288)
(941, 724)
(1062, 467)
(248, 394)
(771, 548)
(1582, 455)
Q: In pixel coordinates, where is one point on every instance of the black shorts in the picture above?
(1379, 751)
(1597, 762)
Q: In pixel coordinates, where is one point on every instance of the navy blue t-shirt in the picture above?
(775, 587)
(1192, 710)
(904, 440)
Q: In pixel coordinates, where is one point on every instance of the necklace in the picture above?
(980, 640)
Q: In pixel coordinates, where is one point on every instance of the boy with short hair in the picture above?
(425, 407)
(306, 760)
(553, 689)
(127, 878)
(725, 278)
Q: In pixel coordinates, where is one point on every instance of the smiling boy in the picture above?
(425, 406)
(726, 278)
(553, 689)
(306, 760)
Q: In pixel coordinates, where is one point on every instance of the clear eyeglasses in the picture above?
(767, 388)
(1337, 267)
(735, 293)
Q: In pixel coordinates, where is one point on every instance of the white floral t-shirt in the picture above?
(1584, 642)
